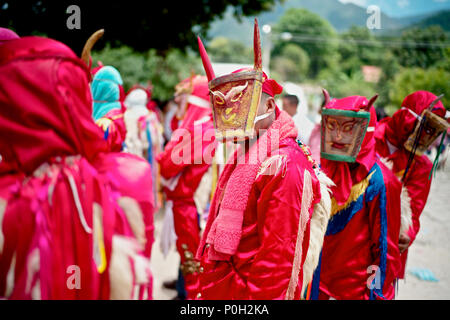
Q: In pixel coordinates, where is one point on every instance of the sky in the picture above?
(403, 8)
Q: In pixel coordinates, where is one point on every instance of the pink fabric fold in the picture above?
(224, 229)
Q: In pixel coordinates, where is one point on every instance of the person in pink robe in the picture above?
(76, 220)
(390, 137)
(182, 174)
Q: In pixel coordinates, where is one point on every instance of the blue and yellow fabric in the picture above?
(365, 190)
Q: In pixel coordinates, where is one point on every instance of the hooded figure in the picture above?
(144, 131)
(77, 223)
(393, 139)
(108, 96)
(183, 164)
(360, 257)
(259, 241)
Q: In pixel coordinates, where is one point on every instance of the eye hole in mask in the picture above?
(219, 98)
(237, 97)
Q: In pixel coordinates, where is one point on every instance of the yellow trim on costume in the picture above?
(400, 173)
(99, 243)
(103, 123)
(101, 246)
(214, 178)
(357, 190)
(118, 116)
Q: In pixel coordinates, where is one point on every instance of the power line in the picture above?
(375, 43)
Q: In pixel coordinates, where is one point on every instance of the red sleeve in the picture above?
(418, 187)
(187, 147)
(169, 168)
(278, 213)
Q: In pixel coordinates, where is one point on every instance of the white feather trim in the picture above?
(388, 163)
(135, 218)
(33, 267)
(318, 227)
(406, 211)
(36, 291)
(133, 143)
(203, 192)
(168, 236)
(10, 277)
(307, 197)
(121, 273)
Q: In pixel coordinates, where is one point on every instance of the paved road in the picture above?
(431, 249)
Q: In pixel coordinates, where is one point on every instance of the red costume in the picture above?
(390, 137)
(270, 251)
(184, 171)
(362, 234)
(257, 238)
(76, 223)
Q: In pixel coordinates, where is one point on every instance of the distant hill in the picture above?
(340, 15)
(441, 18)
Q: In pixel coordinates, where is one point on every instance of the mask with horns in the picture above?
(235, 97)
(345, 123)
(429, 127)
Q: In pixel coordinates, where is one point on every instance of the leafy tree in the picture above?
(413, 79)
(340, 85)
(163, 72)
(292, 64)
(315, 35)
(390, 68)
(222, 49)
(444, 63)
(142, 25)
(421, 50)
(359, 47)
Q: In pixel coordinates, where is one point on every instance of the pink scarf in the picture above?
(224, 227)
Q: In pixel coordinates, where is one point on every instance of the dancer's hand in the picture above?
(403, 243)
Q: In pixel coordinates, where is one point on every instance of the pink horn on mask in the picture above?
(326, 96)
(371, 102)
(205, 60)
(257, 47)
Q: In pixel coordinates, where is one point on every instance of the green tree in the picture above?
(222, 49)
(315, 35)
(424, 47)
(444, 63)
(358, 47)
(341, 85)
(292, 64)
(142, 25)
(413, 79)
(138, 68)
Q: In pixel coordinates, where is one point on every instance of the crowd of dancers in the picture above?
(252, 212)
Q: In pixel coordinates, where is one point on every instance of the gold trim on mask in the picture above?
(236, 126)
